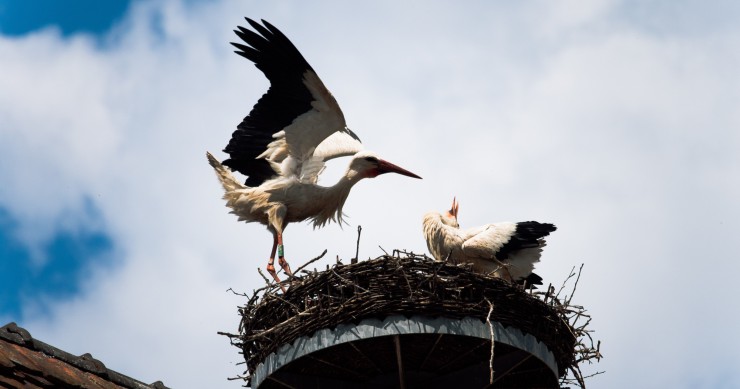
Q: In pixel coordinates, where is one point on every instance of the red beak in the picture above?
(453, 210)
(387, 167)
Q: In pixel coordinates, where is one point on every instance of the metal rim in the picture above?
(400, 325)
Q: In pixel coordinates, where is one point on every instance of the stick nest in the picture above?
(408, 284)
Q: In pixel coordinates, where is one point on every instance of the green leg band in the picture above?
(280, 251)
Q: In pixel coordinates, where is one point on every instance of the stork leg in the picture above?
(271, 261)
(281, 257)
(276, 217)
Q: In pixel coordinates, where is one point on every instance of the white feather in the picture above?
(479, 246)
(311, 169)
(486, 240)
(339, 144)
(300, 140)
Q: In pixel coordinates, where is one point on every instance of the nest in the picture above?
(409, 284)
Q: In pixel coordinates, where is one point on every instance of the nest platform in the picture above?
(407, 321)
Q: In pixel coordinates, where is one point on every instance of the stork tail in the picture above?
(521, 263)
(229, 182)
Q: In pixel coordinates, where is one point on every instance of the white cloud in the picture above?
(625, 139)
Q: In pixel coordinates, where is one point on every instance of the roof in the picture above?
(30, 363)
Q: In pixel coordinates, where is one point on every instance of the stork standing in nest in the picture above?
(506, 250)
(281, 146)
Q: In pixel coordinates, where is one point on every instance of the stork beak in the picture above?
(453, 209)
(387, 167)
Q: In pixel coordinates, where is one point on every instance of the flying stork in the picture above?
(282, 144)
(506, 250)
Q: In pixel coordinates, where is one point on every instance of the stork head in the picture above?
(450, 217)
(367, 164)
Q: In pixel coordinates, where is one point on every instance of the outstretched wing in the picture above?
(288, 122)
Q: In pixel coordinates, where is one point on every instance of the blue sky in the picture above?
(57, 267)
(58, 271)
(615, 120)
(70, 17)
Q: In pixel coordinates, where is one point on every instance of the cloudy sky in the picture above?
(619, 121)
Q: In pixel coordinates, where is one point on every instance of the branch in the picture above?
(357, 251)
(493, 341)
(310, 262)
(567, 300)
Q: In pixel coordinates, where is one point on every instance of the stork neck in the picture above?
(342, 188)
(334, 198)
(435, 233)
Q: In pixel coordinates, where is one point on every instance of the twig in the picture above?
(572, 273)
(493, 341)
(594, 374)
(275, 327)
(238, 377)
(567, 301)
(263, 277)
(310, 262)
(357, 251)
(234, 292)
(447, 257)
(348, 282)
(228, 334)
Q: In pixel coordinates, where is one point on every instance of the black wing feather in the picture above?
(531, 281)
(526, 235)
(286, 99)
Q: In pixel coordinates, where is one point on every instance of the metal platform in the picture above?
(409, 353)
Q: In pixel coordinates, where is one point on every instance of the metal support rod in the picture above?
(401, 377)
(431, 350)
(511, 368)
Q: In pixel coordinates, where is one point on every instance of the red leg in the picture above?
(271, 261)
(281, 257)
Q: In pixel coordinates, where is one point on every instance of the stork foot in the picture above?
(285, 266)
(273, 273)
(286, 269)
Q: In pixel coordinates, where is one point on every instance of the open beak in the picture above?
(387, 167)
(454, 208)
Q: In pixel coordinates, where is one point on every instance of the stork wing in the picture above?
(486, 241)
(291, 120)
(501, 239)
(338, 144)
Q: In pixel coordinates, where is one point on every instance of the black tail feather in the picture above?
(531, 280)
(527, 235)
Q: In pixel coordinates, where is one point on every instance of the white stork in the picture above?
(506, 250)
(281, 146)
